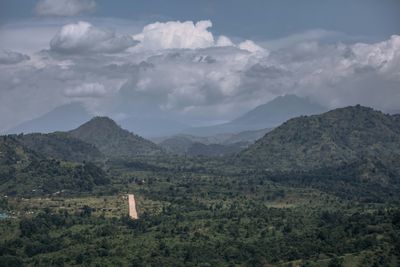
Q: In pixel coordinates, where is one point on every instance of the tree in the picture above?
(335, 262)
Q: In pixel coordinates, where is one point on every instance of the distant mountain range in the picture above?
(341, 136)
(268, 115)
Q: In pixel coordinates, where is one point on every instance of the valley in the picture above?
(256, 207)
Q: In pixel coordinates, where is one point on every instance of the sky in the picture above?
(197, 62)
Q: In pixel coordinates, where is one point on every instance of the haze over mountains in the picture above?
(239, 133)
(63, 118)
(333, 138)
(340, 136)
(218, 140)
(307, 142)
(269, 115)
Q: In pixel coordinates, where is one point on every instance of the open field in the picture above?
(132, 207)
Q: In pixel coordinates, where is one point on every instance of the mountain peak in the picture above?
(112, 140)
(101, 121)
(286, 97)
(98, 126)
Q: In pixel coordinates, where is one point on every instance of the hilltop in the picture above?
(112, 140)
(336, 137)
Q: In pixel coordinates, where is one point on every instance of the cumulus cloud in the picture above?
(224, 41)
(11, 57)
(186, 35)
(86, 90)
(82, 37)
(64, 7)
(383, 55)
(176, 34)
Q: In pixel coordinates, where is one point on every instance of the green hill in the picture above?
(337, 137)
(60, 145)
(25, 172)
(112, 140)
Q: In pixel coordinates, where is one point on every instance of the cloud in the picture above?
(250, 46)
(86, 90)
(82, 37)
(224, 41)
(64, 7)
(11, 57)
(383, 55)
(176, 34)
(194, 79)
(186, 35)
(315, 35)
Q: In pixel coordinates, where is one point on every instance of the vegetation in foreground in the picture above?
(204, 211)
(193, 218)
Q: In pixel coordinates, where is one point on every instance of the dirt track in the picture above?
(132, 206)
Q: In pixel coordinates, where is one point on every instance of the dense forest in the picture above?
(320, 190)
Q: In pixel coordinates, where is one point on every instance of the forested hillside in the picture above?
(339, 136)
(60, 145)
(112, 140)
(24, 172)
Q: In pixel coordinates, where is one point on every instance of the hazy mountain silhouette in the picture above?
(63, 118)
(268, 115)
